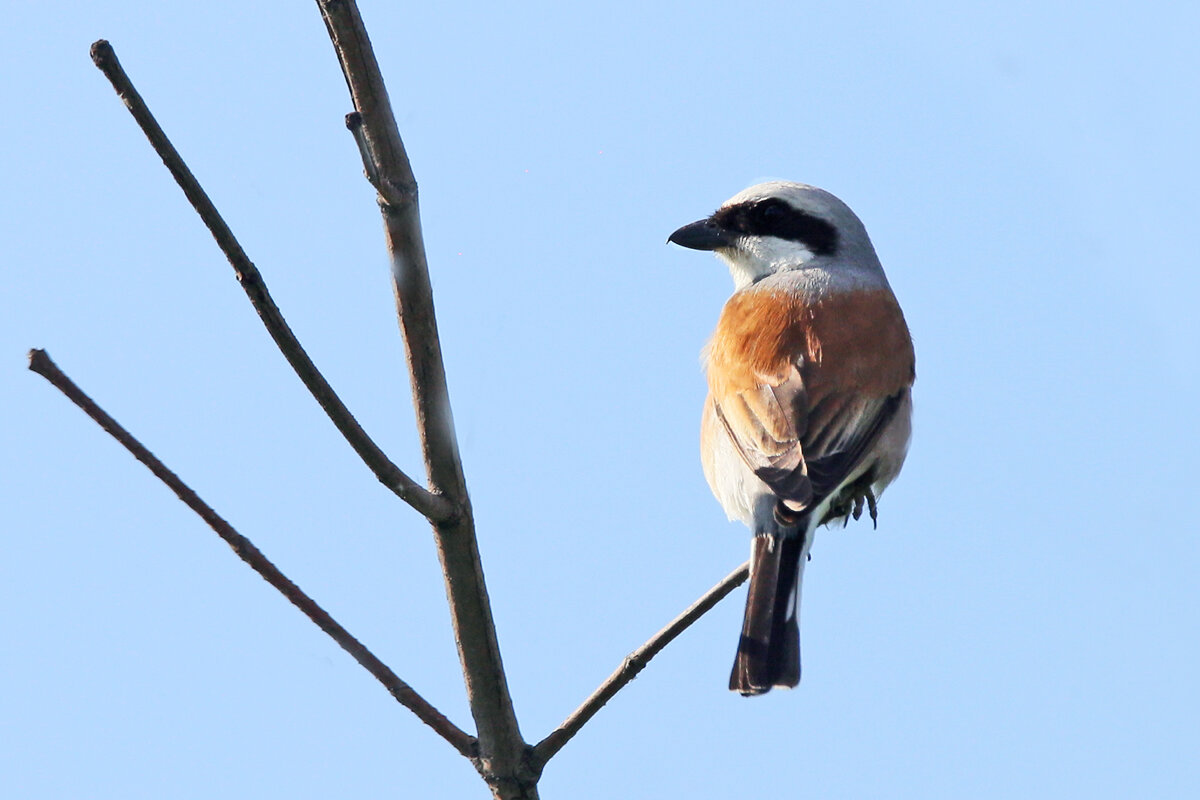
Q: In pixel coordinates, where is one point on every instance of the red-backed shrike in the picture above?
(809, 408)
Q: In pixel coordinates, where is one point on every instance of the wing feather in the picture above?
(804, 410)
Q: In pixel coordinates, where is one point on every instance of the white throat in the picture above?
(757, 257)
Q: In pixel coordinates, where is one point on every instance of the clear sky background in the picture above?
(1025, 621)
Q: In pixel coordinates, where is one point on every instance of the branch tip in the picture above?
(102, 53)
(39, 361)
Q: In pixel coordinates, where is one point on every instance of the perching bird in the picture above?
(809, 409)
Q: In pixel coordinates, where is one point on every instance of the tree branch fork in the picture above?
(509, 765)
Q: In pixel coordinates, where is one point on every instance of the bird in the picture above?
(809, 409)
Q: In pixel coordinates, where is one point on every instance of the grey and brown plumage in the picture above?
(809, 407)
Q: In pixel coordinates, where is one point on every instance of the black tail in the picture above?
(769, 651)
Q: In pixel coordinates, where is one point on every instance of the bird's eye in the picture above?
(770, 212)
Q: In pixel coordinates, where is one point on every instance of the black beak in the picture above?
(702, 235)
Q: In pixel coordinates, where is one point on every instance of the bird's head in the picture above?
(778, 226)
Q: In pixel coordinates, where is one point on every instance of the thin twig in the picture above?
(632, 665)
(502, 750)
(431, 505)
(463, 742)
(370, 167)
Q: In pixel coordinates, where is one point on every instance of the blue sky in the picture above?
(1023, 623)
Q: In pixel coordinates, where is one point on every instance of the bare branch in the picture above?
(461, 741)
(429, 504)
(633, 664)
(502, 751)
